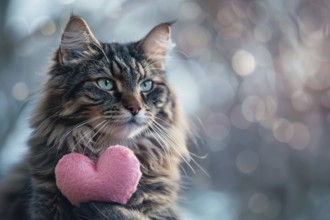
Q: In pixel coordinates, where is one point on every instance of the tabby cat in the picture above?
(98, 95)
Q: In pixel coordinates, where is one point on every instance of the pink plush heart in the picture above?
(113, 178)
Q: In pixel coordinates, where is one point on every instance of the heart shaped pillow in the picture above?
(113, 178)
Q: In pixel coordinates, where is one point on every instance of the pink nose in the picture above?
(134, 109)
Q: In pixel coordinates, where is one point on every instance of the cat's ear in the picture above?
(78, 42)
(156, 44)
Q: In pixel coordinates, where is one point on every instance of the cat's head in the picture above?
(119, 89)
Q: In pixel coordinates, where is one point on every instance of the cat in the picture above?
(97, 95)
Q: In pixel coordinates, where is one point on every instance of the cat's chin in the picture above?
(126, 130)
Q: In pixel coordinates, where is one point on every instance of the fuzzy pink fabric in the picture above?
(113, 178)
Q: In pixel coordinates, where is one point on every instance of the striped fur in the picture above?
(75, 115)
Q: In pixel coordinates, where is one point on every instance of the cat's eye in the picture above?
(146, 86)
(105, 84)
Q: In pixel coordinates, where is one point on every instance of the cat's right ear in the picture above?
(78, 42)
(156, 44)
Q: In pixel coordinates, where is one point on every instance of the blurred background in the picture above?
(251, 74)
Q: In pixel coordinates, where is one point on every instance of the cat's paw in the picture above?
(89, 211)
(98, 211)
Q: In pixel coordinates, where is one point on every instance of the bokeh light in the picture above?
(259, 203)
(253, 108)
(274, 209)
(301, 136)
(217, 126)
(283, 130)
(190, 11)
(257, 12)
(49, 28)
(237, 118)
(18, 27)
(195, 40)
(262, 33)
(247, 161)
(301, 101)
(20, 91)
(243, 62)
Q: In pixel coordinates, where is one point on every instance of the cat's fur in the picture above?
(75, 115)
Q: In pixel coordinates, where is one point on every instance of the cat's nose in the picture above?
(134, 109)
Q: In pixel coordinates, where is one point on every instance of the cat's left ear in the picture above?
(78, 42)
(156, 44)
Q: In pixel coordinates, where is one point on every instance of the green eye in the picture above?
(105, 84)
(146, 86)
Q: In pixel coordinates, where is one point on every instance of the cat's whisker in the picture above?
(192, 159)
(175, 129)
(116, 119)
(183, 170)
(166, 132)
(59, 144)
(161, 143)
(166, 150)
(170, 144)
(98, 130)
(101, 133)
(196, 135)
(85, 135)
(101, 136)
(200, 167)
(199, 156)
(78, 126)
(171, 138)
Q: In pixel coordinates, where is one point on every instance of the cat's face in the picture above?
(118, 89)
